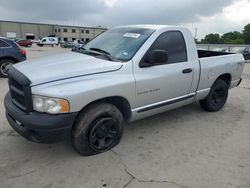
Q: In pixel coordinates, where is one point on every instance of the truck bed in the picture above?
(214, 64)
(206, 53)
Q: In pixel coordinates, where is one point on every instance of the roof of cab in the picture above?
(155, 27)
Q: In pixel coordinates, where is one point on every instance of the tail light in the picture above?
(22, 52)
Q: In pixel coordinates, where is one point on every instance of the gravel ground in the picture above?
(186, 147)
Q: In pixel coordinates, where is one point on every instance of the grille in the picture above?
(20, 90)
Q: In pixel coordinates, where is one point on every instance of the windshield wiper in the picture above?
(100, 50)
(105, 53)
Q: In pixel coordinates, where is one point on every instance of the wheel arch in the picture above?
(121, 103)
(227, 77)
(8, 57)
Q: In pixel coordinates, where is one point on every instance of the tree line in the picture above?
(234, 37)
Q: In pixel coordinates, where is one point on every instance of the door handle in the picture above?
(186, 71)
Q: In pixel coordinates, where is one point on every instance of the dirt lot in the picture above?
(186, 147)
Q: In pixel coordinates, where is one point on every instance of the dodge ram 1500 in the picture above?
(124, 74)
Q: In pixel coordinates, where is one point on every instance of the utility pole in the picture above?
(195, 35)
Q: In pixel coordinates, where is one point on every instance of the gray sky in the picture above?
(217, 16)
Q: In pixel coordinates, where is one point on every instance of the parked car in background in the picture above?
(10, 53)
(68, 44)
(246, 53)
(77, 45)
(25, 43)
(48, 41)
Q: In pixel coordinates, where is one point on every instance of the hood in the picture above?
(64, 66)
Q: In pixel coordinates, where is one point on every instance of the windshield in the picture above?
(120, 43)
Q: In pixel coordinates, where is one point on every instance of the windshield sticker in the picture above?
(125, 53)
(132, 35)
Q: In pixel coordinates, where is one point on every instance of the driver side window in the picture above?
(173, 43)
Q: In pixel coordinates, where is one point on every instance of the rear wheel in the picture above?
(4, 64)
(217, 97)
(97, 129)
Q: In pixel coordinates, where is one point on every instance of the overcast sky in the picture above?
(217, 16)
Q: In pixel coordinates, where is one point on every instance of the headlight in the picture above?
(50, 105)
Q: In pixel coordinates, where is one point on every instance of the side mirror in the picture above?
(155, 57)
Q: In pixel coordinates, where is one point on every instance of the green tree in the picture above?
(211, 39)
(232, 38)
(246, 34)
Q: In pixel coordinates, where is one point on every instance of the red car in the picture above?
(26, 43)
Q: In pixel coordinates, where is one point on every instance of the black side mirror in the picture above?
(155, 57)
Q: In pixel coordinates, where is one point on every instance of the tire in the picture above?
(216, 98)
(97, 129)
(3, 67)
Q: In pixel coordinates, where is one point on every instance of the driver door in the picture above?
(168, 82)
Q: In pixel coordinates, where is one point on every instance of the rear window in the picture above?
(16, 45)
(4, 44)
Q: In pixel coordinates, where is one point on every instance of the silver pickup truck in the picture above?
(125, 74)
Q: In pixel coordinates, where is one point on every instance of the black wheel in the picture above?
(216, 98)
(97, 129)
(4, 64)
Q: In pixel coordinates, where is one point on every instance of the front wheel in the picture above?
(98, 129)
(216, 98)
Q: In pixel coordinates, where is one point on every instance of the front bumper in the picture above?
(38, 127)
